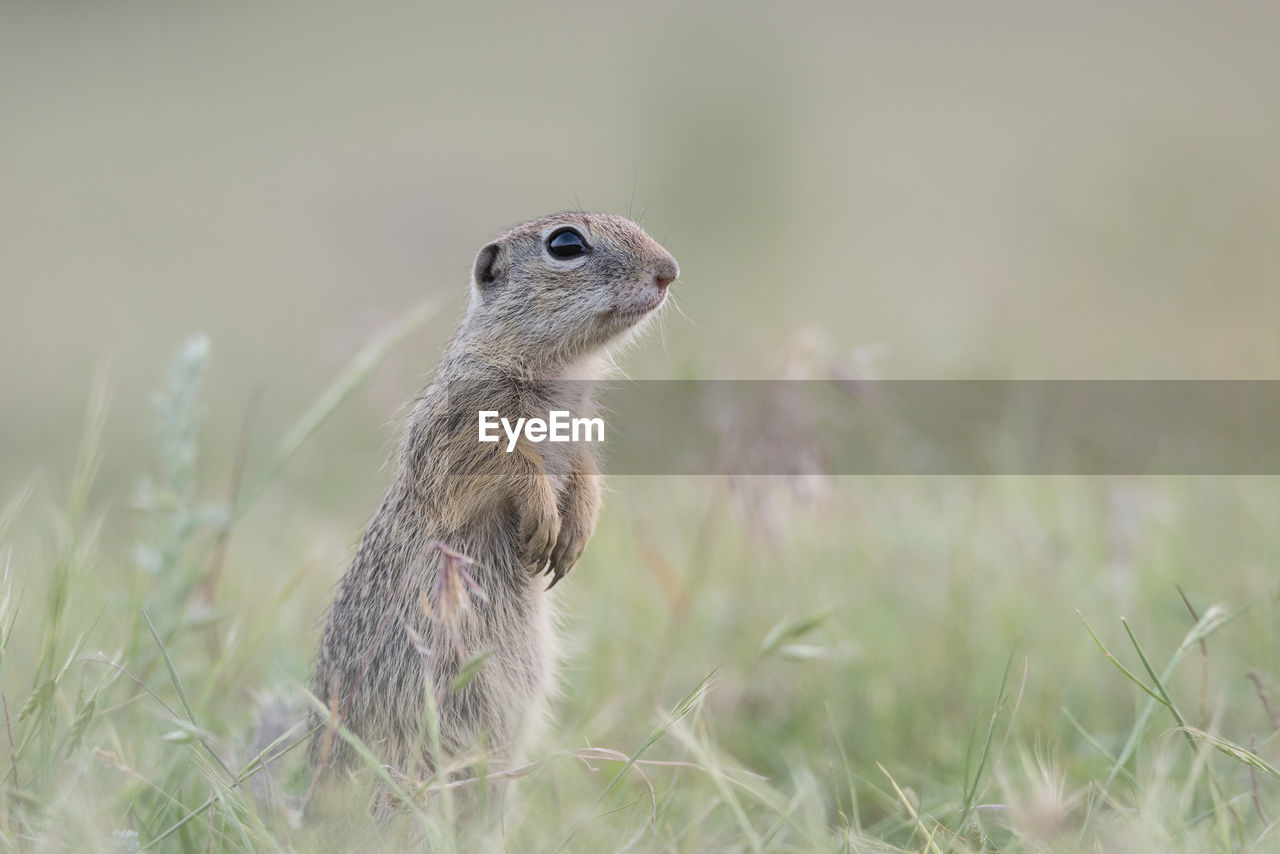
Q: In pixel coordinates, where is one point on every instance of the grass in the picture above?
(998, 664)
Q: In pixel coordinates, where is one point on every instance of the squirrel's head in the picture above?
(566, 285)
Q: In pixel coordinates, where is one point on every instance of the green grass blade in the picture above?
(1107, 653)
(1213, 620)
(173, 674)
(254, 766)
(1164, 695)
(182, 695)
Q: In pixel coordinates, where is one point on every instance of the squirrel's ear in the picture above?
(491, 267)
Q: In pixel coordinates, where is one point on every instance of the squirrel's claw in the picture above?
(569, 548)
(539, 533)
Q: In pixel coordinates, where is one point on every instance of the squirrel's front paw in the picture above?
(538, 534)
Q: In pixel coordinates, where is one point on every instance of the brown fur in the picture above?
(535, 324)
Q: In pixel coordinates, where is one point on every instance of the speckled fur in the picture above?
(535, 324)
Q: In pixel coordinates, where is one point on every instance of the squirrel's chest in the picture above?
(559, 463)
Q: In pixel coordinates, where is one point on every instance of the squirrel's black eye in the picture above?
(567, 243)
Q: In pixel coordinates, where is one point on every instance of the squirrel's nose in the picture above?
(665, 272)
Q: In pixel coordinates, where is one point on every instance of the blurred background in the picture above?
(1005, 190)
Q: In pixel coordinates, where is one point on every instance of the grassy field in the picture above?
(876, 664)
(989, 190)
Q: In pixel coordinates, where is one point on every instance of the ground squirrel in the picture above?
(548, 299)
